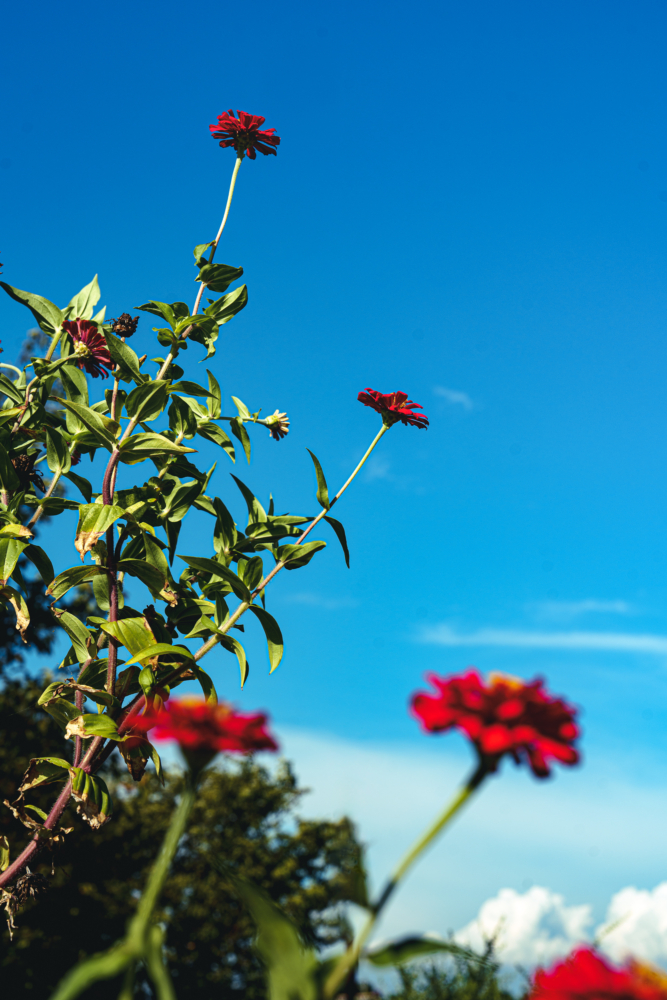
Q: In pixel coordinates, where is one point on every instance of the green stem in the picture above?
(13, 368)
(214, 245)
(53, 345)
(351, 957)
(243, 607)
(160, 869)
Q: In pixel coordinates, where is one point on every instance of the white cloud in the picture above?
(572, 609)
(445, 635)
(637, 925)
(318, 601)
(454, 397)
(530, 928)
(377, 468)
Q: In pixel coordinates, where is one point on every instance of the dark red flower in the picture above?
(245, 134)
(503, 715)
(90, 347)
(585, 975)
(197, 725)
(394, 406)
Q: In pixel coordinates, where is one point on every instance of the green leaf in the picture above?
(41, 562)
(11, 597)
(58, 457)
(47, 315)
(322, 488)
(172, 313)
(96, 725)
(218, 277)
(8, 478)
(132, 633)
(75, 384)
(212, 432)
(4, 853)
(412, 946)
(104, 430)
(82, 305)
(191, 387)
(81, 637)
(290, 965)
(201, 249)
(243, 411)
(43, 771)
(274, 637)
(224, 309)
(239, 431)
(206, 334)
(206, 684)
(94, 519)
(179, 501)
(295, 556)
(81, 484)
(217, 569)
(147, 401)
(10, 390)
(140, 446)
(340, 534)
(255, 510)
(153, 578)
(234, 646)
(214, 402)
(126, 360)
(10, 551)
(160, 647)
(73, 577)
(225, 535)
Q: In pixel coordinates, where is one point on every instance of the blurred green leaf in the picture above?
(413, 946)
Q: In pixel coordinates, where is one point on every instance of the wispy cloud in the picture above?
(573, 609)
(454, 397)
(378, 468)
(445, 635)
(320, 601)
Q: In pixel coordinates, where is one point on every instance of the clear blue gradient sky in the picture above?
(470, 204)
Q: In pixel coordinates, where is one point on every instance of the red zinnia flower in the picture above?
(199, 726)
(585, 975)
(90, 347)
(394, 406)
(244, 134)
(503, 715)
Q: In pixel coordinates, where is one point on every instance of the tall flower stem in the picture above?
(139, 942)
(214, 245)
(351, 957)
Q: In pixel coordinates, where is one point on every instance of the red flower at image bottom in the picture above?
(197, 725)
(245, 134)
(394, 406)
(90, 347)
(503, 715)
(586, 975)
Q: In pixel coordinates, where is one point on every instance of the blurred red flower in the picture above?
(90, 347)
(585, 975)
(503, 715)
(394, 406)
(245, 134)
(197, 725)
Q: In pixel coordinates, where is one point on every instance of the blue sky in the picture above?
(470, 204)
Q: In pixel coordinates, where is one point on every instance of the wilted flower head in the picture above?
(202, 730)
(90, 347)
(394, 406)
(502, 715)
(278, 424)
(125, 325)
(244, 134)
(586, 975)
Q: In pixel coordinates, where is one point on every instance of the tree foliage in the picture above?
(244, 815)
